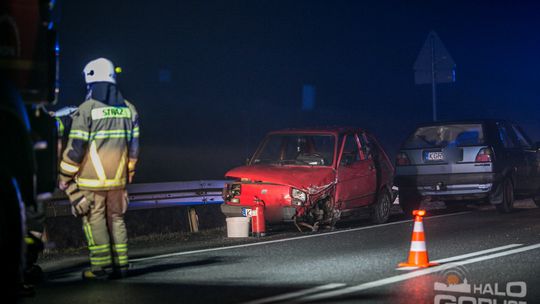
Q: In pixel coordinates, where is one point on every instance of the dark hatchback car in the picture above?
(456, 162)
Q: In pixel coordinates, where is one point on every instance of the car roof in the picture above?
(333, 129)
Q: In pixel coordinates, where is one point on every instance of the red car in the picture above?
(313, 177)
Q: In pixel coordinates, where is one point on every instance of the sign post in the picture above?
(434, 65)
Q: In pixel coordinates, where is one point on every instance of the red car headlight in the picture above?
(298, 197)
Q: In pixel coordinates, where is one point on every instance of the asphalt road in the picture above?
(489, 257)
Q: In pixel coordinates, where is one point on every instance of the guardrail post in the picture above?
(193, 220)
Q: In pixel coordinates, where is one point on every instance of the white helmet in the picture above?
(99, 70)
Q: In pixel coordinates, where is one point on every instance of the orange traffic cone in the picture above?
(418, 256)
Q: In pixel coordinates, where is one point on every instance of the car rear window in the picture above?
(446, 135)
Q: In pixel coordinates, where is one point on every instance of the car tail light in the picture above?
(402, 159)
(485, 155)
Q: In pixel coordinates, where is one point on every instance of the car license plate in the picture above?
(433, 155)
(246, 212)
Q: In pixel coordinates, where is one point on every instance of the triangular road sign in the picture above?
(434, 62)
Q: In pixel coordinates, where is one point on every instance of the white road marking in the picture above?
(296, 294)
(284, 240)
(464, 256)
(407, 276)
(477, 253)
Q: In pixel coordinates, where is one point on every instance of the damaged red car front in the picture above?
(312, 177)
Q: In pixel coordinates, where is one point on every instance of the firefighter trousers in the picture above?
(105, 229)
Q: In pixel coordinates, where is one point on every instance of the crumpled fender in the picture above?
(315, 181)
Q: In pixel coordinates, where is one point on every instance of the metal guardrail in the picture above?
(154, 195)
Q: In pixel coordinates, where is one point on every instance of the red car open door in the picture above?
(356, 174)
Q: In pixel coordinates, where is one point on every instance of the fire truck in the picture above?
(28, 82)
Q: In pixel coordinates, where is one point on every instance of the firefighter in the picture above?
(63, 118)
(98, 162)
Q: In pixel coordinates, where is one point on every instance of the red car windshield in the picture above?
(296, 149)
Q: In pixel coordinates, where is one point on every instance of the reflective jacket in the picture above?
(102, 147)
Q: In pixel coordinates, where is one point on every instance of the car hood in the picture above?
(309, 179)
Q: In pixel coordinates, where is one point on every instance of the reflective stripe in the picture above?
(97, 251)
(98, 166)
(100, 261)
(120, 248)
(79, 134)
(121, 257)
(72, 169)
(121, 167)
(102, 181)
(98, 247)
(29, 241)
(105, 134)
(418, 246)
(89, 236)
(88, 233)
(111, 112)
(122, 263)
(136, 132)
(95, 183)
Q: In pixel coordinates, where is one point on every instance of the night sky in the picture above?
(211, 78)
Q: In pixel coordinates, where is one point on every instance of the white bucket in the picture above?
(237, 227)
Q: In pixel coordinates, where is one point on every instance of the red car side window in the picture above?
(350, 153)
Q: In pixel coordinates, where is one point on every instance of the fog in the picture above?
(211, 78)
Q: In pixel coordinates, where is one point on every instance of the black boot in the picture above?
(119, 273)
(26, 290)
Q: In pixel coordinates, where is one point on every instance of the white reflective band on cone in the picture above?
(418, 246)
(418, 227)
